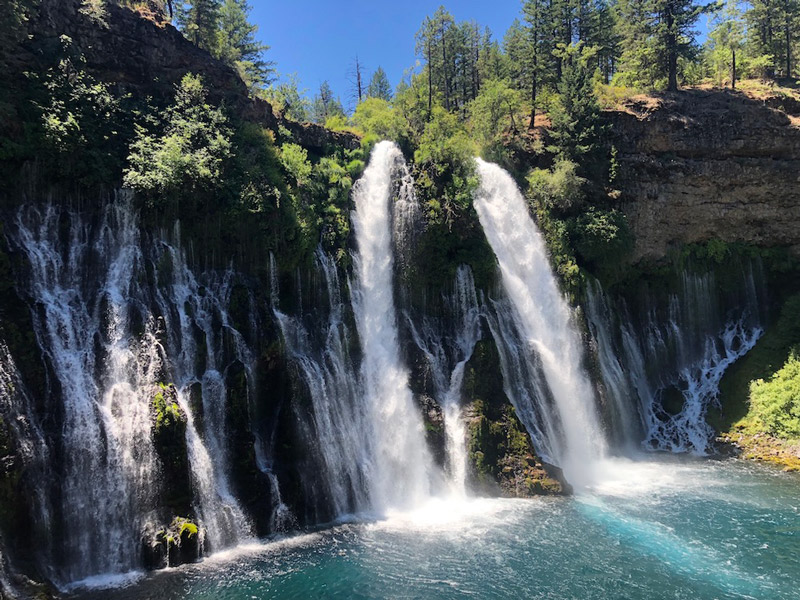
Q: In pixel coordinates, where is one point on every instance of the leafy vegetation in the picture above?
(187, 154)
(775, 403)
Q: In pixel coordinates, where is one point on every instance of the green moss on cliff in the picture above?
(768, 356)
(500, 450)
(169, 439)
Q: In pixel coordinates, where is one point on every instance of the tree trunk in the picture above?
(430, 81)
(733, 68)
(788, 50)
(672, 54)
(444, 70)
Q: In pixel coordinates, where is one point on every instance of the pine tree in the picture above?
(199, 22)
(239, 47)
(726, 39)
(577, 129)
(674, 34)
(379, 86)
(325, 105)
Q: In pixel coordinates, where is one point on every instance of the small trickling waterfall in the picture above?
(545, 339)
(448, 345)
(197, 325)
(403, 469)
(664, 364)
(338, 422)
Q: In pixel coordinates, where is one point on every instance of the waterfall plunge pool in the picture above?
(663, 527)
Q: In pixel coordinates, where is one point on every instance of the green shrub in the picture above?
(775, 403)
(188, 157)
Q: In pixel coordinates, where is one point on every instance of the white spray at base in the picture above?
(571, 436)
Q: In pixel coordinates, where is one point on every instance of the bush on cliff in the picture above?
(188, 156)
(775, 403)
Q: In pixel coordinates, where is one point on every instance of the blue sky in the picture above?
(319, 39)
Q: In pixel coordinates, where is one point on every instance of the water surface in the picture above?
(656, 529)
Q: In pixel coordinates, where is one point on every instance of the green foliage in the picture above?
(655, 36)
(187, 157)
(602, 236)
(444, 142)
(95, 10)
(294, 159)
(200, 21)
(223, 28)
(594, 236)
(237, 45)
(772, 38)
(325, 105)
(773, 350)
(379, 86)
(577, 129)
(289, 99)
(495, 111)
(14, 17)
(376, 117)
(560, 191)
(73, 125)
(775, 404)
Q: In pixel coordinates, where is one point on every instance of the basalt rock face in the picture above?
(698, 165)
(140, 53)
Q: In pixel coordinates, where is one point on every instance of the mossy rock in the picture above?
(174, 545)
(502, 456)
(169, 439)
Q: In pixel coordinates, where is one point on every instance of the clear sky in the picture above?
(318, 39)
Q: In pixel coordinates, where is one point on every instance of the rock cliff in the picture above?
(698, 165)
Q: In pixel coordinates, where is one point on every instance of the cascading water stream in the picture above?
(571, 436)
(683, 350)
(403, 470)
(339, 421)
(448, 356)
(108, 480)
(191, 314)
(95, 322)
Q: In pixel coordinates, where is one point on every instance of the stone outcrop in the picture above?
(698, 165)
(137, 52)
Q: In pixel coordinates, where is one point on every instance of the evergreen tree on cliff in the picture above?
(577, 128)
(674, 34)
(199, 21)
(656, 35)
(239, 47)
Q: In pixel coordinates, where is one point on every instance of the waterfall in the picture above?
(109, 336)
(109, 464)
(403, 472)
(197, 323)
(338, 421)
(32, 457)
(545, 339)
(665, 363)
(448, 349)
